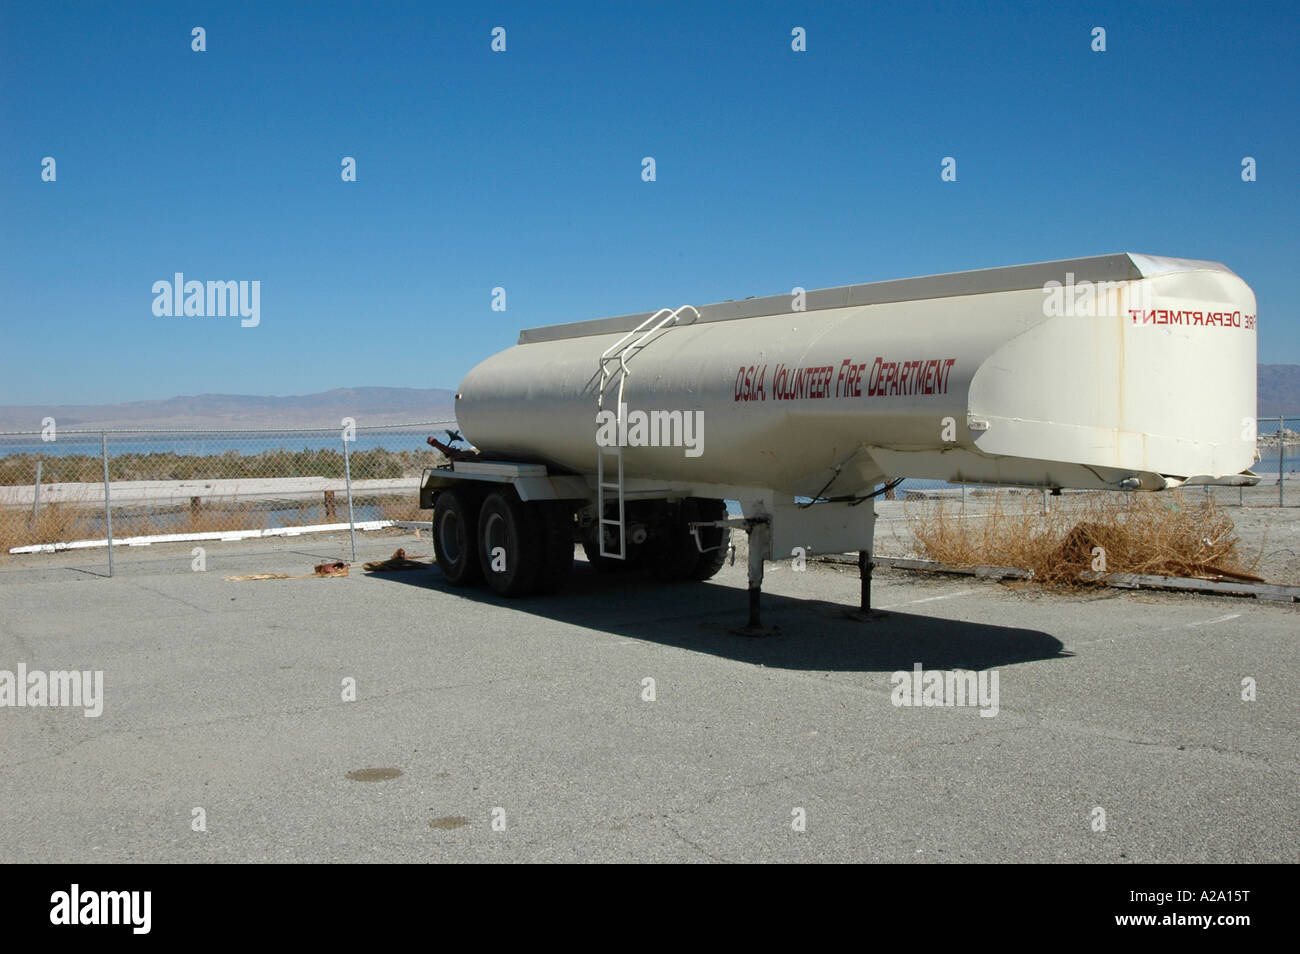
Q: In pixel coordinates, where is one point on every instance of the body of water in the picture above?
(203, 445)
(245, 444)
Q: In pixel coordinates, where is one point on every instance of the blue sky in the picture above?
(522, 169)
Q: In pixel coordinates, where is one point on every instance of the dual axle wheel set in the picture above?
(524, 547)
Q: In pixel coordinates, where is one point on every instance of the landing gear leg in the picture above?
(760, 542)
(864, 611)
(864, 577)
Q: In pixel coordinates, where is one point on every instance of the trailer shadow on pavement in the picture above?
(813, 634)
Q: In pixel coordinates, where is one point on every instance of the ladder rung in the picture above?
(613, 370)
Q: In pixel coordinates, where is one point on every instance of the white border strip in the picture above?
(224, 536)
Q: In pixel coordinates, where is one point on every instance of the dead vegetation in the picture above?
(1171, 534)
(405, 507)
(54, 522)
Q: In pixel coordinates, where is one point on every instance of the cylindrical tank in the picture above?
(1119, 370)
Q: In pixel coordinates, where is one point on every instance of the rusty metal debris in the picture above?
(398, 561)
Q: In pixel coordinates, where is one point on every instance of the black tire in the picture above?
(557, 525)
(602, 564)
(455, 536)
(510, 544)
(675, 555)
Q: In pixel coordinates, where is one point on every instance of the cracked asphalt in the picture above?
(523, 730)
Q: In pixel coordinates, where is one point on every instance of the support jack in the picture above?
(760, 541)
(864, 613)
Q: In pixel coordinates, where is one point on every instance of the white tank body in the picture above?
(1129, 371)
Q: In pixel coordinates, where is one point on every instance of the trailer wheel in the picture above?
(676, 557)
(556, 521)
(510, 544)
(602, 564)
(455, 536)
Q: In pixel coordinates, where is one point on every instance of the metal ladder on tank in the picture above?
(621, 352)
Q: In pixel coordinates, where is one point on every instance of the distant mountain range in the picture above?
(1279, 389)
(326, 409)
(1278, 393)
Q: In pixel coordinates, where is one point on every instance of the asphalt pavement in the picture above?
(624, 720)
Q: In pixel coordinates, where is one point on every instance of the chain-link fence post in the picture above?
(36, 494)
(347, 477)
(108, 507)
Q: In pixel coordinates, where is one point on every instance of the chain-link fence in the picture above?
(66, 489)
(904, 518)
(1279, 450)
(69, 489)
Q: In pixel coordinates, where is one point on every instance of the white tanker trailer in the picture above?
(1117, 372)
